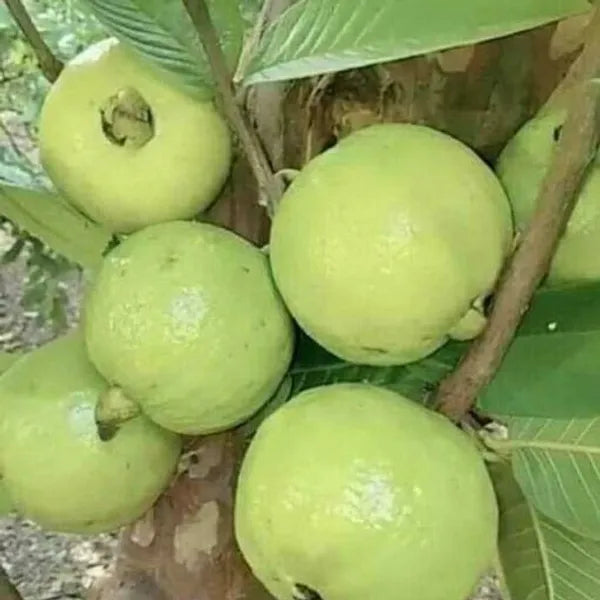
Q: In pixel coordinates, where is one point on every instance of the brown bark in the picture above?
(480, 94)
(185, 548)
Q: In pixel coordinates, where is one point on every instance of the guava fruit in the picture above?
(54, 465)
(386, 244)
(185, 320)
(126, 147)
(522, 166)
(353, 492)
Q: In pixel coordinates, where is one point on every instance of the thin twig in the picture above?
(556, 201)
(49, 64)
(7, 590)
(270, 188)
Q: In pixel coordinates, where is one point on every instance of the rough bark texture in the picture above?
(184, 548)
(481, 95)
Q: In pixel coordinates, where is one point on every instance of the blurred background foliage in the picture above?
(67, 28)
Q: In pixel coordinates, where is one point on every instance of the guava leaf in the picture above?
(551, 368)
(322, 36)
(51, 219)
(162, 32)
(249, 10)
(314, 366)
(541, 560)
(557, 464)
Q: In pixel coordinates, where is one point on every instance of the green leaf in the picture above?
(52, 220)
(314, 366)
(249, 10)
(557, 464)
(162, 32)
(322, 36)
(540, 559)
(551, 368)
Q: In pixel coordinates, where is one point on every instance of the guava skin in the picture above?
(385, 245)
(522, 166)
(174, 175)
(55, 467)
(353, 492)
(185, 319)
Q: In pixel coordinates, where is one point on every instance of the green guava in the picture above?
(385, 245)
(352, 492)
(184, 318)
(56, 468)
(126, 147)
(522, 166)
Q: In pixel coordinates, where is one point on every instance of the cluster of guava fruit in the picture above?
(382, 249)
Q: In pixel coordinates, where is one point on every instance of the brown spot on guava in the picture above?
(303, 592)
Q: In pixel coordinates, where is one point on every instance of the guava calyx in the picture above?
(112, 410)
(127, 119)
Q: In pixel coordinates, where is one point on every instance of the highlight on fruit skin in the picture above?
(185, 320)
(56, 469)
(386, 245)
(522, 166)
(125, 146)
(351, 491)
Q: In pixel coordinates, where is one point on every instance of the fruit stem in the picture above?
(127, 119)
(112, 410)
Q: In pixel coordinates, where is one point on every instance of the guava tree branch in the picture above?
(270, 188)
(7, 590)
(529, 264)
(49, 64)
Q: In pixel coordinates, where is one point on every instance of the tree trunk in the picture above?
(480, 94)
